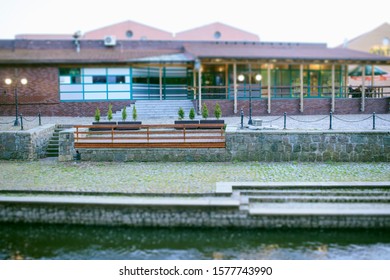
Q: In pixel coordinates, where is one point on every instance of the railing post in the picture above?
(77, 134)
(285, 120)
(21, 122)
(184, 132)
(39, 118)
(330, 120)
(373, 121)
(147, 134)
(112, 134)
(242, 118)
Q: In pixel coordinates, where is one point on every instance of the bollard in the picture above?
(21, 122)
(330, 120)
(242, 118)
(373, 121)
(39, 118)
(285, 120)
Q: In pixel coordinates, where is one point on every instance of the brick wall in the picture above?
(41, 95)
(313, 106)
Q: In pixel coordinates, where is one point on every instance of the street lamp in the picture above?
(8, 82)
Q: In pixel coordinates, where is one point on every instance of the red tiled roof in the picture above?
(282, 51)
(57, 52)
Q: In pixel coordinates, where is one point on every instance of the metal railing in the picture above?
(150, 136)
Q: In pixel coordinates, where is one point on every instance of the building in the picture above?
(73, 77)
(376, 41)
(134, 31)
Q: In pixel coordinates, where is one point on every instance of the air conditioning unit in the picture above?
(110, 41)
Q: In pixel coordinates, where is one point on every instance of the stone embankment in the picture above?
(246, 205)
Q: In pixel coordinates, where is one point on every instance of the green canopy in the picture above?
(358, 71)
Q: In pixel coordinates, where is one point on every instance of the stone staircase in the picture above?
(302, 199)
(147, 109)
(52, 148)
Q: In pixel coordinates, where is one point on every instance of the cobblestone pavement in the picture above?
(171, 177)
(307, 122)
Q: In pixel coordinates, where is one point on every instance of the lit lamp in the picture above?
(8, 82)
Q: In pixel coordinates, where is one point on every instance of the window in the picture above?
(217, 35)
(70, 75)
(99, 79)
(116, 79)
(129, 34)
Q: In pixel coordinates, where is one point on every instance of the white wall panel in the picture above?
(95, 95)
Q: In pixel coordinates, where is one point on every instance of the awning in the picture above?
(368, 71)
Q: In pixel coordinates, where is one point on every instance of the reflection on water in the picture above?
(23, 241)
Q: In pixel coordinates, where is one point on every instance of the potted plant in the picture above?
(124, 114)
(181, 117)
(181, 113)
(109, 113)
(192, 114)
(129, 125)
(98, 123)
(97, 115)
(217, 114)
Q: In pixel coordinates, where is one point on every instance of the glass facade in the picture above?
(135, 83)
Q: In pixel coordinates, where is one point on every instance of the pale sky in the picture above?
(324, 21)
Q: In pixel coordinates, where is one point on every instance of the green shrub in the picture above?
(134, 113)
(97, 115)
(217, 111)
(124, 114)
(205, 111)
(192, 114)
(181, 113)
(109, 113)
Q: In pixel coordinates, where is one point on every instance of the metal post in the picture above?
(333, 88)
(39, 118)
(373, 121)
(330, 120)
(269, 88)
(16, 123)
(250, 95)
(285, 120)
(242, 118)
(21, 122)
(235, 87)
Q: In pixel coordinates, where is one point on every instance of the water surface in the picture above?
(38, 241)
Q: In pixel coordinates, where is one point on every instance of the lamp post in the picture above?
(8, 82)
(258, 78)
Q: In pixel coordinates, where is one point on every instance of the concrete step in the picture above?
(326, 199)
(156, 108)
(53, 146)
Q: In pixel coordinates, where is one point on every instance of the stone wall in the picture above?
(176, 216)
(310, 146)
(25, 145)
(257, 145)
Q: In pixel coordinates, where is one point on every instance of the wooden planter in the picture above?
(187, 122)
(212, 122)
(97, 124)
(134, 125)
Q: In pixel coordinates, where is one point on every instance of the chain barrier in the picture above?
(352, 121)
(7, 122)
(305, 121)
(30, 120)
(330, 117)
(26, 119)
(378, 117)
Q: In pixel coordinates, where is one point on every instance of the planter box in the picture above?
(212, 122)
(97, 124)
(129, 125)
(188, 122)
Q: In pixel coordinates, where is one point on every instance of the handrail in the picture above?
(153, 135)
